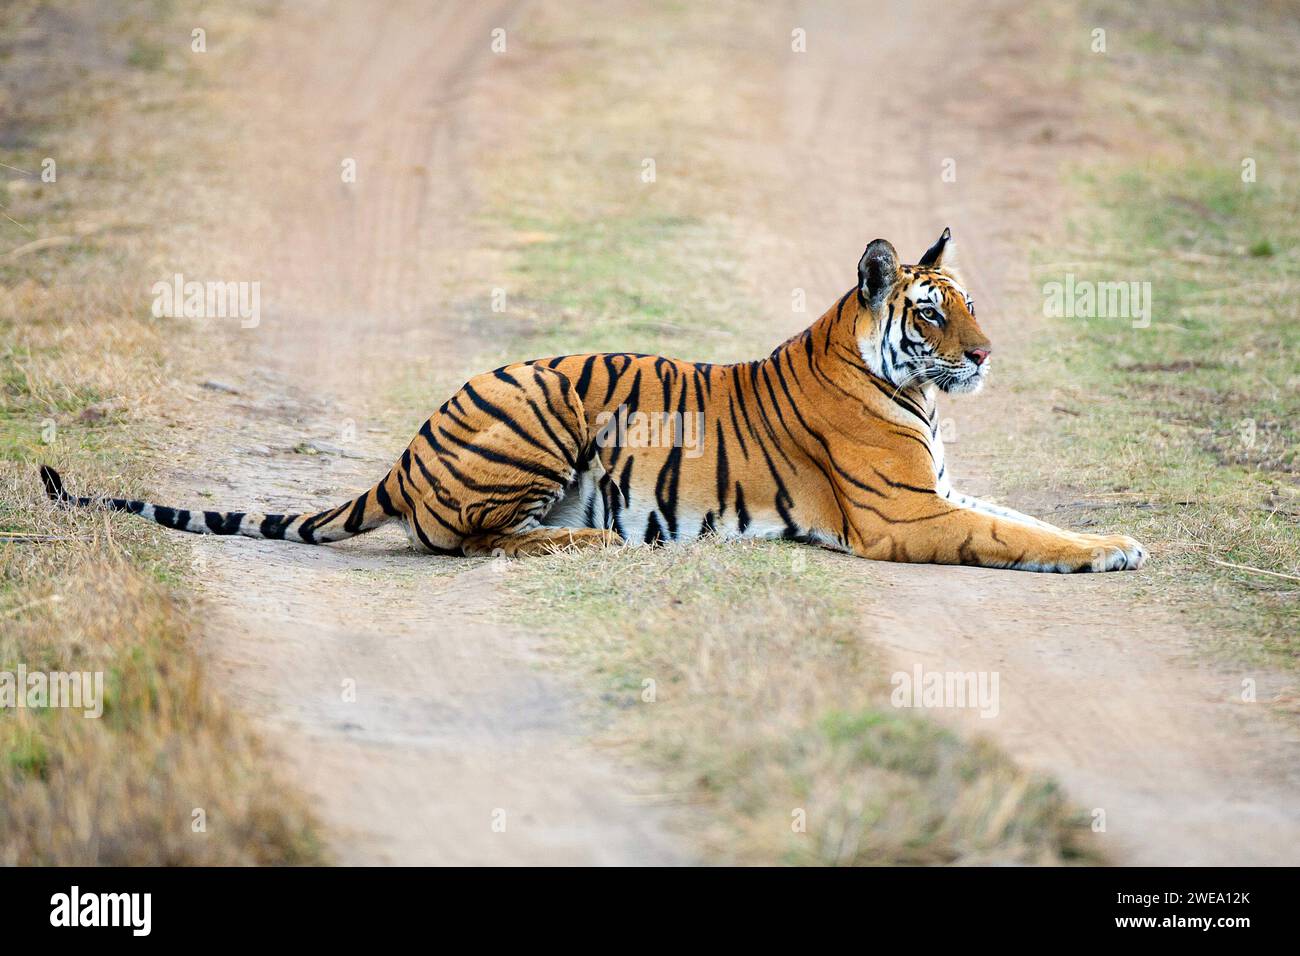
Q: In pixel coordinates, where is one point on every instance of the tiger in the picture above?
(831, 440)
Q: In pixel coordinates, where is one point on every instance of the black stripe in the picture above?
(668, 480)
(177, 520)
(897, 398)
(738, 394)
(500, 415)
(742, 514)
(426, 432)
(624, 488)
(273, 526)
(567, 418)
(631, 402)
(901, 484)
(612, 376)
(415, 519)
(776, 408)
(353, 524)
(584, 380)
(307, 530)
(220, 522)
(434, 487)
(653, 531)
(497, 458)
(384, 501)
(721, 471)
(740, 438)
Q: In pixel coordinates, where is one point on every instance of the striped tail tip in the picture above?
(53, 484)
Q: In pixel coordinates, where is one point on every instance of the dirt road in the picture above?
(422, 733)
(1104, 693)
(415, 723)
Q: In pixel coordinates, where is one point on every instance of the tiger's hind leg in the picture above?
(492, 464)
(539, 541)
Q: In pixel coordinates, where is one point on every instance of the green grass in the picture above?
(623, 284)
(1223, 348)
(30, 414)
(147, 55)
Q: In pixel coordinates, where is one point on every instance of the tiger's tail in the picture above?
(363, 513)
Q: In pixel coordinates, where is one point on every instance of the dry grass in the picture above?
(87, 377)
(742, 670)
(123, 788)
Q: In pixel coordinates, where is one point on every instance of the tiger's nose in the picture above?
(978, 356)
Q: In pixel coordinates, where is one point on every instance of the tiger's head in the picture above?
(917, 324)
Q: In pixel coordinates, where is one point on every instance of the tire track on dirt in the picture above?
(1101, 692)
(416, 724)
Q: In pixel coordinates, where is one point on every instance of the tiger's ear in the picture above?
(943, 249)
(877, 272)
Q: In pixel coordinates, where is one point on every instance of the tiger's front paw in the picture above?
(1117, 552)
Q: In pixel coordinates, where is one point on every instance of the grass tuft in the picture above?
(740, 669)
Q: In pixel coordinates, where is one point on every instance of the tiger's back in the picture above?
(683, 449)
